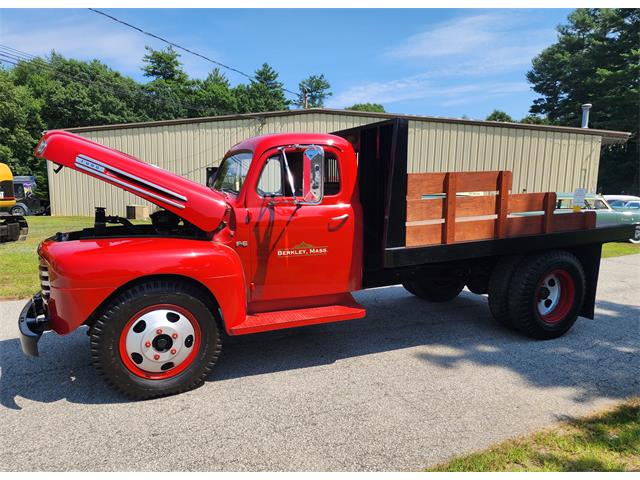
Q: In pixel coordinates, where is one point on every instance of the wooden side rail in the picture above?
(451, 207)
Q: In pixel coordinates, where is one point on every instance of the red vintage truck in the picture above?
(284, 231)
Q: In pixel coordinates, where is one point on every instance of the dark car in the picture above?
(27, 200)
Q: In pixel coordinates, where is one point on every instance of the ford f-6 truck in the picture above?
(280, 236)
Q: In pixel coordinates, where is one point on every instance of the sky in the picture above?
(437, 62)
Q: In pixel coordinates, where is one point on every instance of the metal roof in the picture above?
(608, 136)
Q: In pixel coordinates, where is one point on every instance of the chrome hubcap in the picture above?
(549, 295)
(160, 340)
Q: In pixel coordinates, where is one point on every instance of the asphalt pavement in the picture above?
(408, 386)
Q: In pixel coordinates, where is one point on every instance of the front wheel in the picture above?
(546, 294)
(19, 210)
(156, 339)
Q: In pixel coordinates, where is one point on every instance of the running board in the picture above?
(299, 317)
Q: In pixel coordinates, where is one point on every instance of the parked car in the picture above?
(27, 200)
(619, 201)
(606, 215)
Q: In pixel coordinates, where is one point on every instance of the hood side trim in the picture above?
(85, 163)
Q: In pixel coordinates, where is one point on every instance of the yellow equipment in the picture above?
(12, 227)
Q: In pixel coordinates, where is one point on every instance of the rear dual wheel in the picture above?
(540, 296)
(156, 339)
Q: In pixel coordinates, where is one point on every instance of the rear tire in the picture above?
(499, 283)
(156, 339)
(436, 289)
(546, 294)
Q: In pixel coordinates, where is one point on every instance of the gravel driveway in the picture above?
(410, 385)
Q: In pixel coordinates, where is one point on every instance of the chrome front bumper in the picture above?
(32, 323)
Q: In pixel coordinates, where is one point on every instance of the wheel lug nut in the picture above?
(174, 335)
(147, 344)
(159, 331)
(156, 357)
(173, 351)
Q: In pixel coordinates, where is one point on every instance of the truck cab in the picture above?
(280, 235)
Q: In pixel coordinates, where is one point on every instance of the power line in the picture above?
(204, 57)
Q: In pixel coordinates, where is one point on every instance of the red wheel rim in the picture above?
(555, 296)
(160, 330)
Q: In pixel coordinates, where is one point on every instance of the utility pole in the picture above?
(306, 101)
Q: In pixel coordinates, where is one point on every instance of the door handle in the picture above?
(336, 222)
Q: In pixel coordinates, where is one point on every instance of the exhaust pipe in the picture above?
(585, 115)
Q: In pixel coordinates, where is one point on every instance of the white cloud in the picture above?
(461, 61)
(86, 36)
(425, 87)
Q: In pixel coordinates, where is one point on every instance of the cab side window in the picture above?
(274, 180)
(270, 183)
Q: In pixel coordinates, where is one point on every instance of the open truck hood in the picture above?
(195, 203)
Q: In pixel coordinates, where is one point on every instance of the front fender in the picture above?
(83, 273)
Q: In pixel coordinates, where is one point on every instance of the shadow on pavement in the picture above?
(598, 358)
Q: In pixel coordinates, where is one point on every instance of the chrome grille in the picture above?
(45, 285)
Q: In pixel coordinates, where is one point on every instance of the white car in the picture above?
(619, 201)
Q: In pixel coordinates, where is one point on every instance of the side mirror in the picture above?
(313, 175)
(211, 176)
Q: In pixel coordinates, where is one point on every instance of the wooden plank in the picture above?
(475, 230)
(502, 203)
(433, 208)
(549, 208)
(449, 213)
(565, 222)
(529, 225)
(526, 202)
(478, 181)
(424, 235)
(419, 184)
(590, 220)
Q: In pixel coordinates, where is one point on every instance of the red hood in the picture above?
(193, 202)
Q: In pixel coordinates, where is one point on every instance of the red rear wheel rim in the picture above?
(126, 355)
(555, 296)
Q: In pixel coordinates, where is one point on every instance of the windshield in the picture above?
(233, 172)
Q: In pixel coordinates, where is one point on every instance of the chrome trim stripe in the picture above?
(134, 177)
(128, 185)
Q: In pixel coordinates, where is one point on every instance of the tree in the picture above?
(265, 93)
(313, 91)
(499, 116)
(367, 107)
(20, 128)
(74, 93)
(535, 120)
(163, 65)
(596, 60)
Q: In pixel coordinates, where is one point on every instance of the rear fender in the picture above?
(86, 273)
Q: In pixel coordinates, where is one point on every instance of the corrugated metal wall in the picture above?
(539, 160)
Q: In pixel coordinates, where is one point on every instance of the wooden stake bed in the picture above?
(446, 208)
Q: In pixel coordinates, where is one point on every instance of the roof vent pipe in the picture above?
(585, 115)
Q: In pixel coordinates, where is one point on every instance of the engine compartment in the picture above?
(163, 224)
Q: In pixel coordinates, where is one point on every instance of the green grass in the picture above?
(618, 249)
(607, 441)
(19, 261)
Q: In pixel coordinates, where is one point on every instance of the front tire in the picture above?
(156, 339)
(19, 211)
(546, 294)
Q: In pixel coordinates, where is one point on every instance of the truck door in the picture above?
(300, 254)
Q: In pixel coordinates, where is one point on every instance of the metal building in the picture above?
(542, 158)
